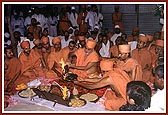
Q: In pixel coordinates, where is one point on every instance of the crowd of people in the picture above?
(129, 69)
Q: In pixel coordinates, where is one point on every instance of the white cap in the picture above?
(90, 38)
(26, 40)
(117, 26)
(96, 27)
(72, 8)
(88, 5)
(70, 28)
(7, 35)
(29, 11)
(142, 34)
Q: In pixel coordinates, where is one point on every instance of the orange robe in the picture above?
(83, 27)
(55, 57)
(13, 68)
(31, 68)
(117, 20)
(83, 61)
(45, 55)
(154, 55)
(116, 97)
(131, 66)
(64, 23)
(36, 53)
(114, 51)
(143, 56)
(36, 30)
(65, 53)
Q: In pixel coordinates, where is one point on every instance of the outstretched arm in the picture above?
(88, 66)
(102, 83)
(93, 80)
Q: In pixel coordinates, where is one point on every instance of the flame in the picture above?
(64, 92)
(62, 64)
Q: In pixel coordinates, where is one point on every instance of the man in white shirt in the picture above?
(65, 39)
(52, 21)
(18, 24)
(90, 18)
(18, 39)
(117, 33)
(39, 17)
(132, 40)
(158, 100)
(73, 16)
(104, 51)
(99, 19)
(27, 21)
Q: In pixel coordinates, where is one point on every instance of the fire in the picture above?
(62, 64)
(64, 92)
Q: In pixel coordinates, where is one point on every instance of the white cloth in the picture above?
(162, 22)
(50, 39)
(52, 21)
(19, 49)
(40, 18)
(27, 21)
(65, 43)
(31, 43)
(90, 106)
(90, 17)
(46, 24)
(114, 37)
(158, 102)
(97, 37)
(8, 42)
(18, 25)
(104, 51)
(98, 18)
(73, 19)
(133, 45)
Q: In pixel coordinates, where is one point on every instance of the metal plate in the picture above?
(27, 93)
(76, 102)
(91, 97)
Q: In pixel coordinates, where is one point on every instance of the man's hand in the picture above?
(80, 79)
